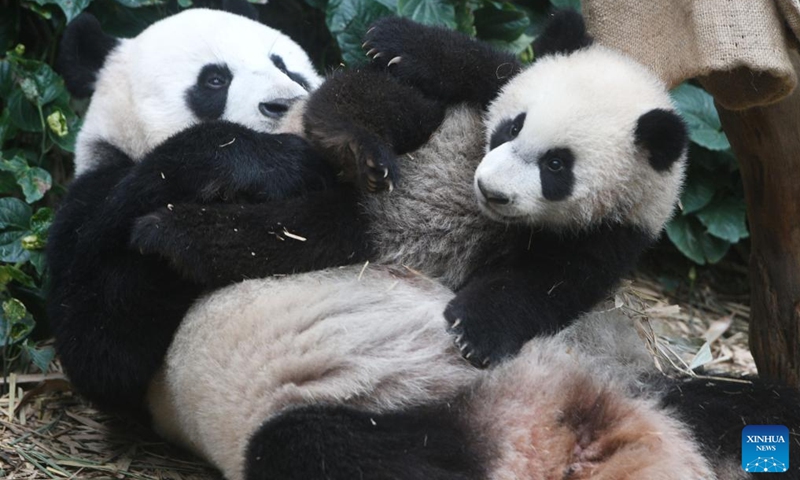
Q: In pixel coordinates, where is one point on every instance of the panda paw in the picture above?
(402, 46)
(483, 339)
(377, 165)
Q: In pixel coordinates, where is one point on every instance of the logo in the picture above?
(765, 448)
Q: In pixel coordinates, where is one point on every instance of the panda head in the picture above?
(191, 67)
(582, 137)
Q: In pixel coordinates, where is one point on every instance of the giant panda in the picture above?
(350, 372)
(344, 374)
(187, 111)
(566, 198)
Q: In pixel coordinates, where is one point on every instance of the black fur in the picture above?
(540, 286)
(507, 131)
(664, 135)
(565, 33)
(341, 443)
(295, 77)
(556, 175)
(441, 63)
(82, 52)
(717, 410)
(114, 310)
(224, 244)
(208, 96)
(364, 119)
(240, 7)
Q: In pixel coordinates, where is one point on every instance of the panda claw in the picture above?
(371, 52)
(391, 185)
(468, 355)
(385, 172)
(485, 362)
(393, 61)
(377, 55)
(370, 30)
(364, 45)
(456, 323)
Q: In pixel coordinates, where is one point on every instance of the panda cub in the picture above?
(188, 111)
(581, 162)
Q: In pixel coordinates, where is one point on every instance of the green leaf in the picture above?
(697, 108)
(14, 214)
(15, 323)
(6, 78)
(71, 8)
(725, 218)
(465, 19)
(348, 21)
(73, 127)
(699, 190)
(40, 356)
(23, 113)
(34, 181)
(506, 24)
(11, 250)
(139, 3)
(516, 47)
(49, 84)
(39, 261)
(41, 221)
(573, 4)
(688, 235)
(428, 12)
(9, 273)
(7, 129)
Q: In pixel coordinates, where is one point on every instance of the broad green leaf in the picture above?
(428, 12)
(573, 4)
(49, 84)
(725, 218)
(41, 221)
(34, 181)
(71, 8)
(16, 323)
(40, 356)
(465, 19)
(713, 161)
(14, 214)
(8, 184)
(140, 3)
(688, 235)
(72, 126)
(320, 4)
(11, 250)
(348, 21)
(6, 78)
(697, 108)
(516, 47)
(9, 273)
(699, 190)
(23, 113)
(505, 25)
(7, 129)
(39, 261)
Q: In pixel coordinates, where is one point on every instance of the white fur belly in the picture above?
(247, 351)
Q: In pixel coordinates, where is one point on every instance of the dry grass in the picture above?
(46, 431)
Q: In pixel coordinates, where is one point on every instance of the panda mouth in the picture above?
(498, 213)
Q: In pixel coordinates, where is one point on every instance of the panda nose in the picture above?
(492, 196)
(276, 108)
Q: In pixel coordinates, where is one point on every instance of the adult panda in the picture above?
(584, 185)
(349, 373)
(187, 111)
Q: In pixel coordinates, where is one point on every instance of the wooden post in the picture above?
(766, 141)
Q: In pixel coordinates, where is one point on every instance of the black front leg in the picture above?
(442, 63)
(219, 244)
(539, 289)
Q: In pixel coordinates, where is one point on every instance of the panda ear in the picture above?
(564, 33)
(240, 7)
(82, 53)
(664, 135)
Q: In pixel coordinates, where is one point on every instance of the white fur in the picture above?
(588, 101)
(377, 340)
(139, 97)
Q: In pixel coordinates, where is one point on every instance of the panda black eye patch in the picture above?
(295, 77)
(208, 96)
(506, 131)
(555, 173)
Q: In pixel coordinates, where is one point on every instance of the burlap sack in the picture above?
(737, 48)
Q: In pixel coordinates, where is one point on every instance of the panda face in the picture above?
(195, 66)
(564, 148)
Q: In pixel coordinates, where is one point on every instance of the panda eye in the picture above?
(555, 165)
(216, 81)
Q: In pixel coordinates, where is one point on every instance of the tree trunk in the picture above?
(766, 141)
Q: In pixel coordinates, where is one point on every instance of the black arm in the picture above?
(444, 64)
(113, 310)
(539, 289)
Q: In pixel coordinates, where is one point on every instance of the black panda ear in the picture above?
(663, 133)
(240, 7)
(564, 33)
(82, 53)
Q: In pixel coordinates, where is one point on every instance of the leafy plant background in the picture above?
(39, 122)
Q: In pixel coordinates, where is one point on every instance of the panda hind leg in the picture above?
(342, 443)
